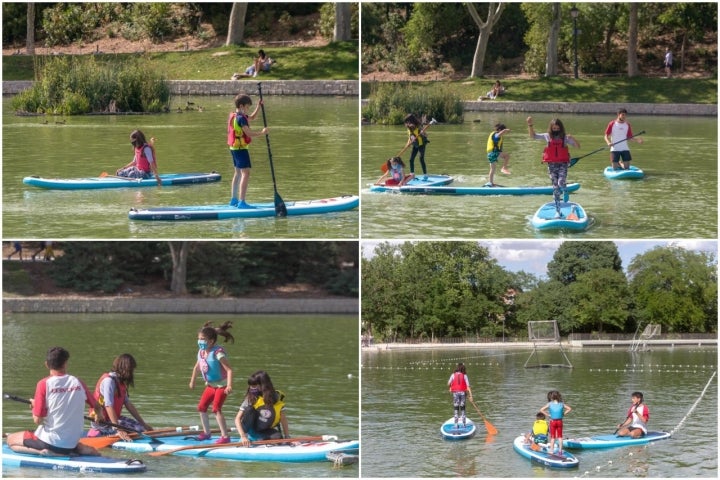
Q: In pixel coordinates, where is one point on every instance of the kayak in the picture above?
(484, 190)
(81, 463)
(573, 217)
(542, 456)
(419, 181)
(111, 181)
(303, 451)
(224, 212)
(632, 173)
(462, 432)
(610, 441)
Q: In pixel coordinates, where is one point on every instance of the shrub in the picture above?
(390, 102)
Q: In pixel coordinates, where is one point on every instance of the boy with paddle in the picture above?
(58, 409)
(617, 134)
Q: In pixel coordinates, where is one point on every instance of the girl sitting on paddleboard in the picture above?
(459, 386)
(556, 410)
(144, 163)
(111, 391)
(395, 170)
(262, 413)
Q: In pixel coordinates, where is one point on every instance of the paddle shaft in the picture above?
(422, 132)
(280, 208)
(240, 444)
(115, 425)
(573, 161)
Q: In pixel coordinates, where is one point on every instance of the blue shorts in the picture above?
(241, 158)
(617, 156)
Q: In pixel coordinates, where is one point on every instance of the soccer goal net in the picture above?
(546, 333)
(543, 331)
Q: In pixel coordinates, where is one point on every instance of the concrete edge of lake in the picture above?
(340, 305)
(612, 344)
(349, 88)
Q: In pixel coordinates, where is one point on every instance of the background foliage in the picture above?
(426, 290)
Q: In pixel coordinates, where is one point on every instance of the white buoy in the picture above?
(350, 375)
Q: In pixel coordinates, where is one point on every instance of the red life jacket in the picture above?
(120, 394)
(233, 140)
(458, 382)
(556, 151)
(141, 161)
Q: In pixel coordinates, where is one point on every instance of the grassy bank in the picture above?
(562, 89)
(336, 61)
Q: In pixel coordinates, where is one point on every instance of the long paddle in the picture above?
(490, 427)
(573, 161)
(280, 208)
(129, 179)
(119, 427)
(322, 438)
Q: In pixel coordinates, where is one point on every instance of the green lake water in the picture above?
(678, 197)
(312, 359)
(314, 145)
(405, 400)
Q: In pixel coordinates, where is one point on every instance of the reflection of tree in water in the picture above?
(637, 462)
(462, 456)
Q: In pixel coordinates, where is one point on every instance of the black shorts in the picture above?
(623, 155)
(31, 441)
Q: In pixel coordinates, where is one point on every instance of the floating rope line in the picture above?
(599, 468)
(672, 432)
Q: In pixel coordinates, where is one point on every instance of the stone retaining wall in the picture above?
(233, 87)
(592, 107)
(181, 305)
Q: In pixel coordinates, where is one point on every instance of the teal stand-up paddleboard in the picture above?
(542, 456)
(462, 431)
(82, 463)
(572, 217)
(633, 173)
(611, 441)
(112, 181)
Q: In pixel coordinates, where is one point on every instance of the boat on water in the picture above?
(299, 451)
(450, 431)
(225, 212)
(633, 173)
(86, 464)
(418, 181)
(572, 217)
(113, 181)
(543, 456)
(611, 441)
(482, 190)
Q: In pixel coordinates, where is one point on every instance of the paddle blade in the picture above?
(99, 442)
(104, 174)
(384, 168)
(572, 215)
(490, 427)
(280, 208)
(573, 161)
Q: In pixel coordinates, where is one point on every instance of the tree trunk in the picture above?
(342, 22)
(632, 41)
(485, 27)
(551, 56)
(179, 254)
(236, 26)
(30, 32)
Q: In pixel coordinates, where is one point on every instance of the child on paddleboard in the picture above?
(459, 386)
(556, 155)
(539, 432)
(213, 365)
(417, 139)
(495, 151)
(239, 138)
(556, 410)
(262, 413)
(395, 173)
(617, 135)
(635, 425)
(144, 162)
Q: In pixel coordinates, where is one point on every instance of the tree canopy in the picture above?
(425, 290)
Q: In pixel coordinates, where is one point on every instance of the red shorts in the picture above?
(214, 395)
(556, 428)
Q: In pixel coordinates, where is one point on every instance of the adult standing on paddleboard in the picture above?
(556, 155)
(617, 134)
(111, 391)
(635, 425)
(459, 386)
(58, 409)
(239, 137)
(144, 163)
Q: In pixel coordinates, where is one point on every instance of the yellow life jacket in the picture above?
(492, 146)
(268, 417)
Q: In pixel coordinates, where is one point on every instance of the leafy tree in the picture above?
(676, 288)
(236, 24)
(600, 300)
(573, 258)
(485, 26)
